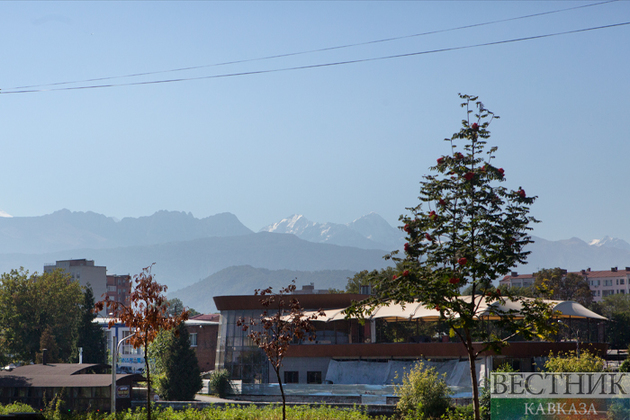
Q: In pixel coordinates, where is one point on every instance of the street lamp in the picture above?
(115, 347)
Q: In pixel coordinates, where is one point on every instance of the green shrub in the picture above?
(625, 366)
(16, 407)
(423, 394)
(571, 362)
(220, 383)
(460, 412)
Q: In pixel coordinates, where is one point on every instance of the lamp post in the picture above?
(115, 347)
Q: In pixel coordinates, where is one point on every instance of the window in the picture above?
(193, 340)
(622, 281)
(595, 283)
(608, 282)
(291, 377)
(314, 377)
(111, 288)
(608, 292)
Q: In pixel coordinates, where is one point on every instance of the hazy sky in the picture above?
(332, 143)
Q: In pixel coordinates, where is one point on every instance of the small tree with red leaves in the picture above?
(146, 315)
(282, 321)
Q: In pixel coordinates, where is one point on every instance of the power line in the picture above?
(271, 57)
(314, 66)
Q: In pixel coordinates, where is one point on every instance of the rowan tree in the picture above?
(146, 315)
(467, 231)
(281, 322)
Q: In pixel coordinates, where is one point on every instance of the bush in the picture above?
(16, 407)
(220, 383)
(571, 362)
(460, 412)
(625, 366)
(423, 394)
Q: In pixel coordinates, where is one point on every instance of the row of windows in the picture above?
(609, 282)
(604, 293)
(293, 377)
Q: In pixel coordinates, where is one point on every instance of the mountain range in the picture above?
(368, 232)
(218, 255)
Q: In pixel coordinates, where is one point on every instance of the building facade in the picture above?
(350, 352)
(203, 331)
(602, 283)
(117, 287)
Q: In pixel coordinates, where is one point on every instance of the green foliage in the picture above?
(625, 366)
(460, 412)
(468, 230)
(525, 291)
(15, 407)
(246, 412)
(32, 305)
(220, 383)
(557, 284)
(484, 403)
(423, 394)
(176, 307)
(617, 309)
(571, 362)
(505, 367)
(368, 278)
(91, 336)
(180, 377)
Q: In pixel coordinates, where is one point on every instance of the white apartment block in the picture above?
(602, 283)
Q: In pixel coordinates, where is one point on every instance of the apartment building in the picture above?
(602, 283)
(117, 287)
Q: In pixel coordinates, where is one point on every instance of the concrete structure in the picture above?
(85, 272)
(602, 283)
(117, 287)
(345, 352)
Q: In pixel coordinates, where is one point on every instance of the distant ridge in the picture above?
(243, 280)
(180, 264)
(574, 254)
(66, 230)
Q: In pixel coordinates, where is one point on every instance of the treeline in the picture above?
(47, 311)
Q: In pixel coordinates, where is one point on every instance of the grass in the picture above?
(272, 412)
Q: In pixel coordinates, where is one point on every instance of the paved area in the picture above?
(212, 399)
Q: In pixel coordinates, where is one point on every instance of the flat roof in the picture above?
(62, 375)
(312, 301)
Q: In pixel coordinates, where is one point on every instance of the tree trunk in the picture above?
(473, 376)
(284, 402)
(146, 369)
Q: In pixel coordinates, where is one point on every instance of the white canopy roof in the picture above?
(416, 310)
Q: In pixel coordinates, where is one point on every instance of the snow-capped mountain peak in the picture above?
(610, 242)
(295, 224)
(368, 232)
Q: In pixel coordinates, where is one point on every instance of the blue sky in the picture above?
(332, 143)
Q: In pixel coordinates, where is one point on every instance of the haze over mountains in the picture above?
(219, 255)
